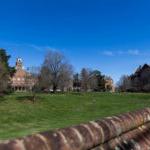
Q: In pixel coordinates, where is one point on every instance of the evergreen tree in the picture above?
(5, 71)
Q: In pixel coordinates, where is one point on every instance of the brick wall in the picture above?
(126, 131)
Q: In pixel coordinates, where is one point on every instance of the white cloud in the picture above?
(19, 46)
(40, 48)
(134, 52)
(131, 52)
(108, 53)
(120, 52)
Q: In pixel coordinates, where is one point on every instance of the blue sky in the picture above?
(110, 35)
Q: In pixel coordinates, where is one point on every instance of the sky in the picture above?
(110, 35)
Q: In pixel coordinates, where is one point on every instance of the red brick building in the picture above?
(22, 80)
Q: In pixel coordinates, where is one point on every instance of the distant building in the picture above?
(109, 85)
(22, 80)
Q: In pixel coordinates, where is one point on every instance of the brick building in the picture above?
(109, 85)
(22, 80)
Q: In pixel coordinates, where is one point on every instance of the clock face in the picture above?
(19, 59)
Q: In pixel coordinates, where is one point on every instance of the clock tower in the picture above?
(19, 64)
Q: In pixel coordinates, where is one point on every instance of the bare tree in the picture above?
(32, 82)
(92, 80)
(124, 83)
(65, 80)
(45, 78)
(84, 79)
(59, 71)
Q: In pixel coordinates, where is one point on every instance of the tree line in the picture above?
(139, 81)
(56, 73)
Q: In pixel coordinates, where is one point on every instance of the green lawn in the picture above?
(20, 117)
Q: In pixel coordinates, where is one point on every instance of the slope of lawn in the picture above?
(20, 117)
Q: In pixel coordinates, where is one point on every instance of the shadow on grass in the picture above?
(27, 98)
(2, 98)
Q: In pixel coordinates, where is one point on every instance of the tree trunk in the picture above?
(34, 95)
(54, 88)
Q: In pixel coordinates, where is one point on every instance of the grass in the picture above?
(20, 117)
